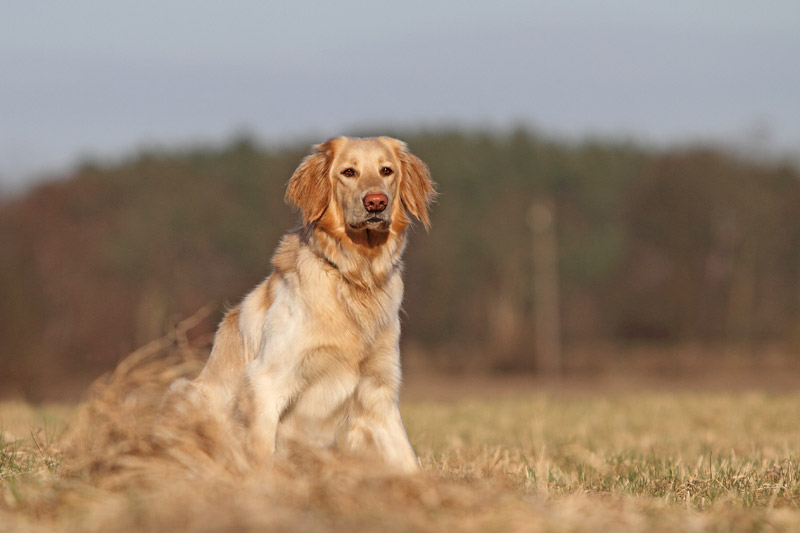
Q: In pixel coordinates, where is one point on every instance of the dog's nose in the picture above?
(375, 202)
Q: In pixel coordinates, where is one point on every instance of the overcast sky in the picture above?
(89, 78)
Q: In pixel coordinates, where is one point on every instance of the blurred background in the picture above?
(619, 181)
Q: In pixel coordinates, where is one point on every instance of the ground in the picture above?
(497, 455)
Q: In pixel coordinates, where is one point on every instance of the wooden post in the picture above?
(546, 295)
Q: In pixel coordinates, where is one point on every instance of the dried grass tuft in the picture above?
(111, 436)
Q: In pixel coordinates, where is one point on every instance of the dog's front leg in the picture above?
(375, 426)
(264, 395)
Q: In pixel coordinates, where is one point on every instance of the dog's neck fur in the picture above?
(362, 262)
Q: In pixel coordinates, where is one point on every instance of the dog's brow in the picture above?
(349, 162)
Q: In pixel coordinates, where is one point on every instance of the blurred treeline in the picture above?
(654, 246)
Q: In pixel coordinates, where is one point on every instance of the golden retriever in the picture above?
(311, 354)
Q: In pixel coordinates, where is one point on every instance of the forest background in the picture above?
(669, 261)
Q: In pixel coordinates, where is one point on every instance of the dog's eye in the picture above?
(386, 171)
(348, 172)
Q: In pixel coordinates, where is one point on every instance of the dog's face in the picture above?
(364, 172)
(362, 184)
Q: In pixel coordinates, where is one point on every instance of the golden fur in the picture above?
(311, 354)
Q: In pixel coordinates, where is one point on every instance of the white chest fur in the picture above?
(319, 338)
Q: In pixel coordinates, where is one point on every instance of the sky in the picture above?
(86, 79)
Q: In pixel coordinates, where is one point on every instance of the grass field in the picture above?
(496, 456)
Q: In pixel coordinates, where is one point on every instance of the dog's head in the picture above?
(362, 184)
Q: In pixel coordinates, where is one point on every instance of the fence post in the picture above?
(546, 294)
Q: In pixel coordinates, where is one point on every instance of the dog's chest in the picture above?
(338, 308)
(370, 310)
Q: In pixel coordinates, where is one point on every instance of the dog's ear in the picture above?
(309, 187)
(417, 189)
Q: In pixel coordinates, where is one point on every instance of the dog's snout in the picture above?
(375, 202)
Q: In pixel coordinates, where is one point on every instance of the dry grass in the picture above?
(513, 460)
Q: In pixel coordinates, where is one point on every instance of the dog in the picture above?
(312, 353)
